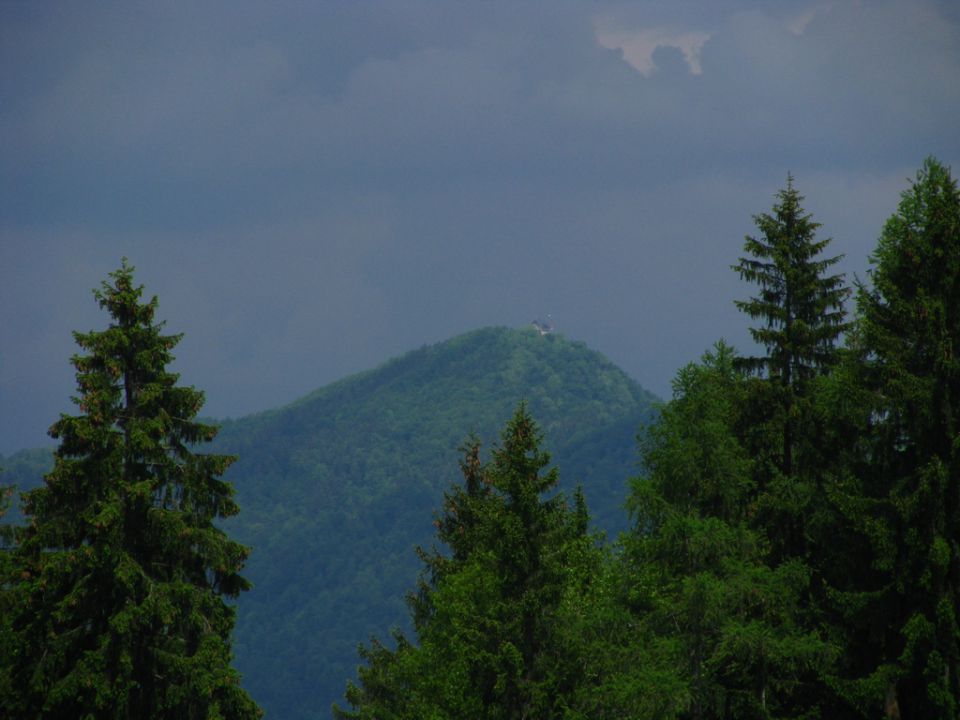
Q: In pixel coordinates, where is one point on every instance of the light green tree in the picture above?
(490, 640)
(700, 585)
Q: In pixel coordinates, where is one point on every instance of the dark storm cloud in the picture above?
(310, 188)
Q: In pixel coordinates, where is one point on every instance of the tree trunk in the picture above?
(891, 708)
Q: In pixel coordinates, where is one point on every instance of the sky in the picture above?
(311, 188)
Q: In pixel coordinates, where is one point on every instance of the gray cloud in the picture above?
(312, 188)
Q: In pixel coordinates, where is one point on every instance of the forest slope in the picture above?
(337, 489)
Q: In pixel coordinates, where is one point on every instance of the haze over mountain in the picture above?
(337, 489)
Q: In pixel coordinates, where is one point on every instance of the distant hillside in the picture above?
(338, 488)
(24, 470)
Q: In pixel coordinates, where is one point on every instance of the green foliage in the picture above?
(489, 615)
(7, 580)
(120, 570)
(699, 585)
(339, 487)
(801, 315)
(800, 309)
(909, 333)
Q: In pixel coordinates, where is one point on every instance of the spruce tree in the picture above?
(122, 571)
(799, 307)
(487, 615)
(910, 330)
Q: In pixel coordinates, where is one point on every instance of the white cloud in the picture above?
(638, 46)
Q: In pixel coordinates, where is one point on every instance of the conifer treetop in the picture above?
(120, 600)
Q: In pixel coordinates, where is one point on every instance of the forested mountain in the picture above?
(24, 470)
(338, 488)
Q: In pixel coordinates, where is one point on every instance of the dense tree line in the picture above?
(795, 546)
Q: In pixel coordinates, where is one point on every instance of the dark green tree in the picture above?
(487, 613)
(7, 580)
(122, 571)
(799, 307)
(800, 316)
(726, 627)
(910, 333)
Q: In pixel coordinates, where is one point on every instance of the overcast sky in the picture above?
(313, 187)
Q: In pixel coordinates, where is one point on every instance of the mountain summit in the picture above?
(338, 488)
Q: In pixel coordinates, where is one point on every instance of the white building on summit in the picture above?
(545, 327)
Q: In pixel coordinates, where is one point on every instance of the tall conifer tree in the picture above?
(122, 570)
(910, 328)
(799, 306)
(486, 616)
